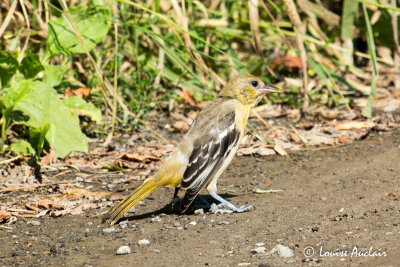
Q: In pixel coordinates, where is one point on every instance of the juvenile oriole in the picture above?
(206, 149)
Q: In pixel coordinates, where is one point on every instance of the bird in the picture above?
(206, 149)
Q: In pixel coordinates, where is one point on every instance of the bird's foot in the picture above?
(225, 209)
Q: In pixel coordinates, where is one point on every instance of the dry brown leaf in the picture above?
(280, 150)
(45, 204)
(80, 92)
(354, 125)
(181, 126)
(392, 194)
(188, 97)
(5, 216)
(292, 63)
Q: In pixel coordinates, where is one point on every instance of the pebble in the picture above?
(123, 250)
(258, 250)
(33, 223)
(199, 212)
(109, 230)
(87, 232)
(177, 224)
(260, 244)
(143, 242)
(282, 251)
(224, 222)
(124, 224)
(156, 250)
(244, 264)
(193, 223)
(132, 210)
(389, 233)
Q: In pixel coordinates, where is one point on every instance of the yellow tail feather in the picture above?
(129, 201)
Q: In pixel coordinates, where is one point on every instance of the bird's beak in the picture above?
(268, 89)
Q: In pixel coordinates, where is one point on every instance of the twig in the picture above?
(31, 187)
(10, 160)
(21, 55)
(266, 124)
(299, 28)
(3, 226)
(8, 18)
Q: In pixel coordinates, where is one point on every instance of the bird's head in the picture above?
(248, 89)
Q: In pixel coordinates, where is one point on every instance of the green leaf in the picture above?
(8, 67)
(81, 107)
(30, 65)
(91, 22)
(53, 74)
(22, 147)
(42, 106)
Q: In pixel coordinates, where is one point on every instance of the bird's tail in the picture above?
(114, 214)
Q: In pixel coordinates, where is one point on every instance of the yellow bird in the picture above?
(206, 149)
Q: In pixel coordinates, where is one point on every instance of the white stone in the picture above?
(123, 250)
(282, 251)
(143, 242)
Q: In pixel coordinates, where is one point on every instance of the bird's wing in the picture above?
(208, 155)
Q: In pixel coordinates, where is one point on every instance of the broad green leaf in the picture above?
(22, 147)
(91, 22)
(8, 66)
(30, 65)
(42, 106)
(53, 74)
(81, 107)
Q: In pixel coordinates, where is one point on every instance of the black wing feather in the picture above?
(208, 157)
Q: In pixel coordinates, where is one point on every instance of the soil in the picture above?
(335, 202)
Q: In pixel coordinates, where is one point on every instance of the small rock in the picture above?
(199, 212)
(143, 242)
(255, 182)
(132, 210)
(109, 230)
(282, 251)
(244, 264)
(155, 219)
(193, 223)
(177, 224)
(224, 222)
(179, 228)
(156, 250)
(389, 233)
(260, 244)
(87, 232)
(124, 224)
(123, 250)
(34, 223)
(258, 250)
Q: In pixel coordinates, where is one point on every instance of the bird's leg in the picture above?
(176, 202)
(176, 191)
(224, 203)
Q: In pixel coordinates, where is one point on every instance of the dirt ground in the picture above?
(334, 208)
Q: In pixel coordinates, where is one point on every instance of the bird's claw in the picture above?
(221, 208)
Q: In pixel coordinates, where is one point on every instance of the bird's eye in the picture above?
(254, 83)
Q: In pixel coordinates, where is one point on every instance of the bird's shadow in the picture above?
(173, 207)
